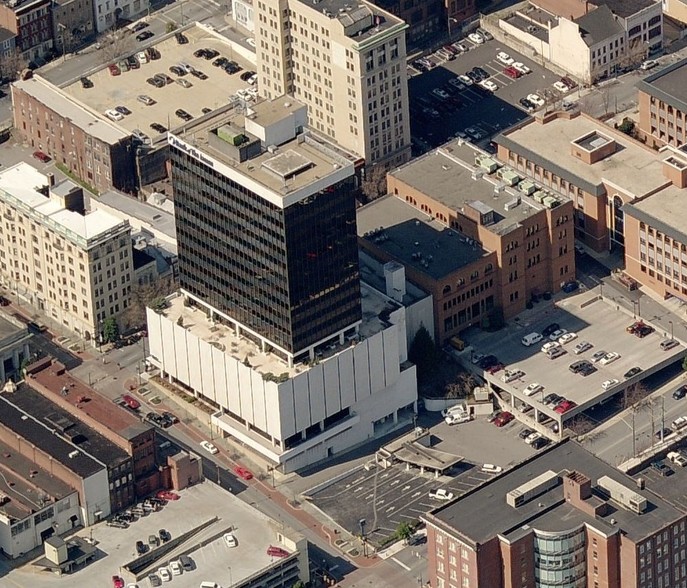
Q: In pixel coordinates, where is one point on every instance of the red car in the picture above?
(131, 402)
(117, 582)
(243, 473)
(40, 156)
(564, 406)
(496, 368)
(167, 495)
(511, 72)
(277, 551)
(114, 69)
(503, 419)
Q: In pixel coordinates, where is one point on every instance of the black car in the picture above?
(525, 433)
(181, 38)
(549, 398)
(154, 580)
(158, 127)
(525, 103)
(145, 35)
(247, 75)
(164, 535)
(176, 70)
(576, 367)
(488, 361)
(643, 330)
(133, 62)
(231, 67)
(680, 393)
(139, 27)
(152, 53)
(200, 53)
(163, 78)
(122, 110)
(550, 329)
(481, 72)
(210, 54)
(155, 82)
(206, 110)
(198, 74)
(662, 433)
(662, 469)
(632, 372)
(220, 62)
(473, 76)
(182, 114)
(540, 442)
(587, 369)
(141, 547)
(86, 83)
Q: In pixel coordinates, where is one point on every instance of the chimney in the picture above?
(51, 180)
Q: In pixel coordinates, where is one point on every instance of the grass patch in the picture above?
(63, 168)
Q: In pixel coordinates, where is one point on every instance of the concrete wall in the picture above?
(676, 9)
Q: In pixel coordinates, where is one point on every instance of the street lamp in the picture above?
(231, 583)
(671, 329)
(362, 522)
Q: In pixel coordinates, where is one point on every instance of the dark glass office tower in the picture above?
(290, 275)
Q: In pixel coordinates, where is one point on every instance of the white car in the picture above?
(476, 38)
(504, 58)
(176, 568)
(549, 346)
(567, 338)
(533, 388)
(535, 99)
(489, 85)
(521, 67)
(460, 47)
(456, 418)
(609, 384)
(511, 375)
(230, 540)
(442, 94)
(490, 468)
(532, 437)
(454, 409)
(114, 115)
(557, 334)
(609, 357)
(441, 494)
(581, 347)
(164, 574)
(648, 64)
(561, 87)
(209, 447)
(465, 79)
(677, 458)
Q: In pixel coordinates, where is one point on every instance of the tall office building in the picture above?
(346, 61)
(272, 326)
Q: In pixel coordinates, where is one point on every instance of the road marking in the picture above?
(391, 509)
(395, 482)
(369, 496)
(416, 494)
(405, 488)
(400, 563)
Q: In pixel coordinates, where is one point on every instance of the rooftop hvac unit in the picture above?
(622, 494)
(532, 489)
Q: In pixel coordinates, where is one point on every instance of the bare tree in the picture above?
(633, 396)
(580, 425)
(114, 44)
(634, 55)
(141, 296)
(374, 184)
(12, 64)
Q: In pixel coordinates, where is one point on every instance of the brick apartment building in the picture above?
(82, 140)
(512, 242)
(31, 22)
(662, 100)
(561, 518)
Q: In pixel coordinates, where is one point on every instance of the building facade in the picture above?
(244, 14)
(72, 24)
(271, 296)
(525, 235)
(75, 267)
(347, 64)
(84, 141)
(14, 347)
(31, 22)
(544, 524)
(662, 102)
(109, 12)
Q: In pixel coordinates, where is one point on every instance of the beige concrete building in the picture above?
(74, 266)
(676, 9)
(346, 62)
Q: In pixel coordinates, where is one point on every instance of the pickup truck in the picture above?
(677, 458)
(441, 494)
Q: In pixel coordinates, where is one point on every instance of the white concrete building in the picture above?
(108, 12)
(73, 265)
(243, 14)
(293, 416)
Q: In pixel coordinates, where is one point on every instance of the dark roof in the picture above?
(624, 8)
(483, 513)
(668, 85)
(141, 258)
(598, 25)
(34, 431)
(67, 426)
(5, 34)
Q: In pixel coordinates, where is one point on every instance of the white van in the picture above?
(531, 339)
(209, 585)
(456, 408)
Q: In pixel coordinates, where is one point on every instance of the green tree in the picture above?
(110, 330)
(171, 27)
(298, 584)
(423, 352)
(684, 364)
(404, 531)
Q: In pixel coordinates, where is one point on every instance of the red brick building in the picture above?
(31, 22)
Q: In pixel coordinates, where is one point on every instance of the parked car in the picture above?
(570, 287)
(230, 540)
(117, 582)
(489, 85)
(504, 58)
(561, 87)
(511, 375)
(549, 346)
(457, 418)
(456, 408)
(503, 419)
(609, 358)
(243, 473)
(86, 83)
(175, 568)
(557, 334)
(113, 115)
(680, 393)
(441, 494)
(138, 27)
(476, 38)
(525, 103)
(667, 344)
(550, 329)
(598, 356)
(632, 372)
(114, 69)
(147, 100)
(167, 495)
(274, 551)
(153, 540)
(141, 547)
(181, 38)
(608, 384)
(535, 99)
(158, 127)
(525, 433)
(648, 64)
(182, 114)
(581, 347)
(568, 81)
(677, 458)
(164, 535)
(662, 433)
(497, 367)
(679, 423)
(643, 330)
(540, 443)
(164, 574)
(533, 388)
(521, 67)
(493, 416)
(661, 468)
(40, 156)
(131, 402)
(491, 468)
(209, 447)
(564, 406)
(531, 437)
(154, 580)
(511, 72)
(144, 36)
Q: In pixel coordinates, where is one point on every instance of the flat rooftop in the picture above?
(11, 328)
(446, 175)
(668, 84)
(537, 30)
(483, 513)
(625, 8)
(372, 273)
(67, 426)
(102, 409)
(664, 211)
(109, 91)
(40, 434)
(633, 168)
(297, 164)
(19, 187)
(26, 496)
(147, 214)
(223, 336)
(403, 232)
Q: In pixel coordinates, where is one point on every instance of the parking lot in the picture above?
(595, 321)
(213, 562)
(109, 91)
(472, 107)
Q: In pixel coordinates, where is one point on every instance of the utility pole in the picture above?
(634, 440)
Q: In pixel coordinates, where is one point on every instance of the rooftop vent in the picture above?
(532, 489)
(622, 494)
